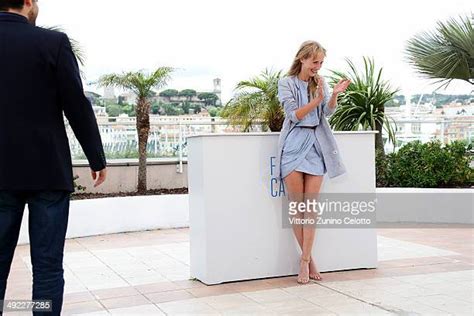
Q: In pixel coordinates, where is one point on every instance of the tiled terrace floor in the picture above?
(421, 270)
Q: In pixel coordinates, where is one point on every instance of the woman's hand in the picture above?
(319, 92)
(341, 86)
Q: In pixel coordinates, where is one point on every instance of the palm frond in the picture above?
(160, 77)
(445, 54)
(256, 101)
(244, 110)
(139, 82)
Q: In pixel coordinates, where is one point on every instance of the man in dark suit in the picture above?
(39, 81)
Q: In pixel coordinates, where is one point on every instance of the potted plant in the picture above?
(362, 105)
(256, 102)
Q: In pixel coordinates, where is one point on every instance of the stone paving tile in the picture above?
(420, 270)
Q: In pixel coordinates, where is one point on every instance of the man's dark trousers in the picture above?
(48, 218)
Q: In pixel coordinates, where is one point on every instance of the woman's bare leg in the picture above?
(295, 187)
(312, 186)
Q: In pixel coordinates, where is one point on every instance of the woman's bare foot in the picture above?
(303, 276)
(313, 271)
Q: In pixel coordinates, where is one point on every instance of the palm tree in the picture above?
(256, 101)
(142, 84)
(445, 54)
(362, 105)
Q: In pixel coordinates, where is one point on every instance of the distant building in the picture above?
(459, 128)
(128, 98)
(109, 93)
(217, 90)
(124, 118)
(425, 122)
(454, 109)
(99, 110)
(100, 114)
(93, 97)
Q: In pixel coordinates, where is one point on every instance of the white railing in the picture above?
(445, 130)
(168, 139)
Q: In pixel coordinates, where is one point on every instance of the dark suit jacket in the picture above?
(39, 80)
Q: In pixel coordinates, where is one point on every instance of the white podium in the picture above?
(235, 209)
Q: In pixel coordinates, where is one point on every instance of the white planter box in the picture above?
(236, 224)
(122, 214)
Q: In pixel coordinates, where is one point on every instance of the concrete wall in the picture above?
(121, 214)
(122, 176)
(423, 205)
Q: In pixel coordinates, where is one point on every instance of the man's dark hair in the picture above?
(11, 4)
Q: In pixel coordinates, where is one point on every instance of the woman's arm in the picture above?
(330, 103)
(286, 97)
(330, 107)
(333, 101)
(304, 110)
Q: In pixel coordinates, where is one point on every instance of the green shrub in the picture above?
(381, 168)
(428, 165)
(78, 187)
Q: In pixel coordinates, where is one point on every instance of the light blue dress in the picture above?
(291, 98)
(301, 148)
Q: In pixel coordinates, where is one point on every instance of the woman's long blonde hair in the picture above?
(307, 49)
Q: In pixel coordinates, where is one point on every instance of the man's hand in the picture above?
(99, 176)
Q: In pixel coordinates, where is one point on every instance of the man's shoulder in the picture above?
(50, 33)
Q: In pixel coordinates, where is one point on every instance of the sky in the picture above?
(237, 39)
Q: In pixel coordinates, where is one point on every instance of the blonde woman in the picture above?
(307, 147)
